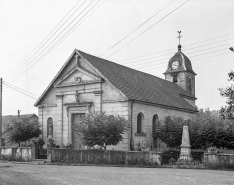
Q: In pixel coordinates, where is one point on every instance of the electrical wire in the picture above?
(63, 30)
(174, 48)
(183, 50)
(33, 64)
(148, 62)
(148, 28)
(136, 28)
(17, 68)
(19, 91)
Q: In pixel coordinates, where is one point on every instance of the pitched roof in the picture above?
(186, 63)
(141, 86)
(135, 85)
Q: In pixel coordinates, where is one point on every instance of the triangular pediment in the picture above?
(77, 76)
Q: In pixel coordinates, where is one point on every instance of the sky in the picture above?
(38, 36)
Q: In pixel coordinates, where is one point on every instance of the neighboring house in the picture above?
(6, 120)
(86, 83)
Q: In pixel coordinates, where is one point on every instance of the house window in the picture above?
(49, 127)
(139, 122)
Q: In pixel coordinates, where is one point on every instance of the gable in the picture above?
(126, 82)
(76, 71)
(77, 75)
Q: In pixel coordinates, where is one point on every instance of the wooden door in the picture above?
(76, 141)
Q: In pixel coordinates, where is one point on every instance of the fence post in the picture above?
(34, 151)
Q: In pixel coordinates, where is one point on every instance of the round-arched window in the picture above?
(49, 127)
(154, 124)
(139, 122)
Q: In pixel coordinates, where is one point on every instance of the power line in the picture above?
(148, 28)
(191, 56)
(63, 30)
(46, 38)
(136, 28)
(171, 54)
(33, 64)
(174, 49)
(19, 91)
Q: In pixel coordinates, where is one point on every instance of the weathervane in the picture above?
(179, 36)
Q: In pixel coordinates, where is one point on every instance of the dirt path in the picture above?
(23, 174)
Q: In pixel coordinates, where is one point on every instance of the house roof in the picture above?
(7, 119)
(141, 86)
(137, 85)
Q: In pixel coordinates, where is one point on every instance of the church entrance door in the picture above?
(76, 140)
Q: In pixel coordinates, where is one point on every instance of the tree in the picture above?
(99, 129)
(205, 130)
(170, 131)
(227, 112)
(23, 130)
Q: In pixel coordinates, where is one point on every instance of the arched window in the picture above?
(139, 122)
(190, 84)
(50, 127)
(154, 124)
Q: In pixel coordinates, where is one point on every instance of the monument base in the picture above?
(185, 156)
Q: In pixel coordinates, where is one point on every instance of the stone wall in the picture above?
(23, 152)
(103, 157)
(118, 108)
(148, 112)
(221, 158)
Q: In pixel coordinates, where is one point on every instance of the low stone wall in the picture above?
(103, 157)
(218, 158)
(15, 152)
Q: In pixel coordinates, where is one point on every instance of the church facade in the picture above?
(87, 83)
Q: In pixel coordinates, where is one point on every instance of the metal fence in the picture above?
(172, 156)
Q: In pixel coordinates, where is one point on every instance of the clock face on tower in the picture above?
(175, 65)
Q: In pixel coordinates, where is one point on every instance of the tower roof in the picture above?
(183, 59)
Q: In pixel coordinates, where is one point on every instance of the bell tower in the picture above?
(180, 72)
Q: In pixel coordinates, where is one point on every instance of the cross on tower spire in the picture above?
(179, 36)
(179, 46)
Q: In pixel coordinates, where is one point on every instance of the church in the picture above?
(87, 83)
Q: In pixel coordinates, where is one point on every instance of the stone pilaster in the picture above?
(59, 125)
(98, 101)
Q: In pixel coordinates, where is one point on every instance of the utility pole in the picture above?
(0, 113)
(18, 114)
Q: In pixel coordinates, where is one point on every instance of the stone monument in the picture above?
(185, 151)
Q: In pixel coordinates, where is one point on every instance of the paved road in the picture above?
(23, 174)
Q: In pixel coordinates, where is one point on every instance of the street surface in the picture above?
(24, 174)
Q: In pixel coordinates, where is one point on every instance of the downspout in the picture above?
(62, 122)
(131, 138)
(42, 121)
(101, 99)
